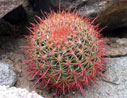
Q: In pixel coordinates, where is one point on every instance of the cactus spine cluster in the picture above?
(65, 51)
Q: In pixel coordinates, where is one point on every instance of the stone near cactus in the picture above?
(13, 92)
(8, 5)
(7, 75)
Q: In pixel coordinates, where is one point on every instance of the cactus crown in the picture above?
(65, 51)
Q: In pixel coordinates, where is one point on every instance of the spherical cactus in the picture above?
(65, 51)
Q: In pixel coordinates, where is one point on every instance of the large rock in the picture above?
(7, 74)
(8, 5)
(15, 15)
(13, 92)
(112, 13)
(12, 17)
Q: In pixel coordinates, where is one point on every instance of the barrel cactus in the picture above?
(65, 51)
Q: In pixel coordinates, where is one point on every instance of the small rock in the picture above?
(13, 92)
(117, 47)
(7, 75)
(122, 41)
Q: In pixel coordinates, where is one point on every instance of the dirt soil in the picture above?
(9, 53)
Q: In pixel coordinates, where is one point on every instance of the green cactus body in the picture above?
(65, 51)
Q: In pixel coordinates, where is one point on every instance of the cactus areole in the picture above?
(65, 51)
